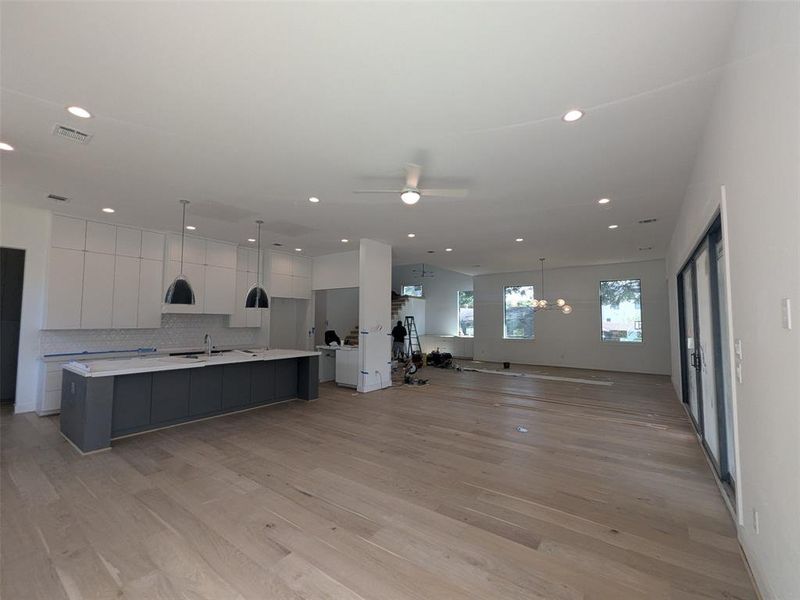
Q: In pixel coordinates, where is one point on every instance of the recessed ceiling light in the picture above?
(613, 226)
(345, 240)
(6, 147)
(448, 249)
(313, 199)
(519, 240)
(604, 200)
(108, 210)
(79, 111)
(572, 115)
(412, 235)
(298, 249)
(251, 240)
(410, 196)
(191, 227)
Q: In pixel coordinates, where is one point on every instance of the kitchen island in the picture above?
(107, 399)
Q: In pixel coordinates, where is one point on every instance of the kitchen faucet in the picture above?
(207, 342)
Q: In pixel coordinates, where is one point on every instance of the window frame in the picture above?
(533, 321)
(458, 314)
(633, 343)
(413, 285)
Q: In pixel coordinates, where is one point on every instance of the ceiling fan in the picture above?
(423, 273)
(411, 192)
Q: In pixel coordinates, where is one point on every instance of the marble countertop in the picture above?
(128, 366)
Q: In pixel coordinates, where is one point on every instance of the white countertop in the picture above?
(128, 366)
(346, 348)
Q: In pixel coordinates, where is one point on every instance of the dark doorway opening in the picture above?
(12, 268)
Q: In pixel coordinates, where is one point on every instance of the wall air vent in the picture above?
(72, 134)
(646, 221)
(57, 198)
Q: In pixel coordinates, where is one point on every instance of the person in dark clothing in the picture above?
(399, 334)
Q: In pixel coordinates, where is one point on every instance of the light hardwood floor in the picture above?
(424, 493)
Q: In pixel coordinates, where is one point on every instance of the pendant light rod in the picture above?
(183, 230)
(541, 260)
(259, 222)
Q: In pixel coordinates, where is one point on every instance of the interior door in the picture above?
(690, 343)
(705, 352)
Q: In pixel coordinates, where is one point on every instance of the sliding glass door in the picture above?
(705, 356)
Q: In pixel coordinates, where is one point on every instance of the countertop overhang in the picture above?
(129, 366)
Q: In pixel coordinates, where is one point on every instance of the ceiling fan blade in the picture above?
(444, 192)
(412, 175)
(377, 191)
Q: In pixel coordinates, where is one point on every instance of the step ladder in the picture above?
(413, 337)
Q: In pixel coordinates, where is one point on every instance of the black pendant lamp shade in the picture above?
(180, 291)
(256, 296)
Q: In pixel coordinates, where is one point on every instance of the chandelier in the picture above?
(545, 304)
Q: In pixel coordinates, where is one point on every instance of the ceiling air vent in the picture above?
(57, 198)
(72, 134)
(646, 221)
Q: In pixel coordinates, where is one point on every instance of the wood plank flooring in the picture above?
(420, 493)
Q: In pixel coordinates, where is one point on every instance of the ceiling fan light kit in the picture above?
(411, 193)
(410, 196)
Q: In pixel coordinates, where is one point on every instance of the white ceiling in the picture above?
(248, 109)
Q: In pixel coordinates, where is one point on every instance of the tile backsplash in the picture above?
(177, 331)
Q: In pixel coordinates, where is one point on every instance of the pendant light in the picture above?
(180, 291)
(544, 304)
(256, 296)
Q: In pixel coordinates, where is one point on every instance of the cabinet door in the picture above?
(219, 254)
(64, 289)
(252, 260)
(280, 263)
(205, 390)
(153, 245)
(301, 266)
(301, 287)
(235, 386)
(262, 384)
(68, 233)
(101, 237)
(220, 290)
(170, 398)
(129, 242)
(131, 409)
(151, 299)
(285, 379)
(125, 307)
(98, 290)
(239, 317)
(253, 317)
(194, 250)
(196, 276)
(280, 286)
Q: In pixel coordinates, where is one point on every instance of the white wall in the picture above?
(751, 145)
(441, 295)
(335, 271)
(574, 340)
(28, 229)
(374, 315)
(413, 307)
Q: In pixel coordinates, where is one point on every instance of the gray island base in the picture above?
(105, 400)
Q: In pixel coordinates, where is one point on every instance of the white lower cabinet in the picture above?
(98, 290)
(125, 310)
(220, 290)
(151, 273)
(64, 289)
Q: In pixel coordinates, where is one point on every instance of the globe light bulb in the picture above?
(543, 303)
(566, 309)
(561, 302)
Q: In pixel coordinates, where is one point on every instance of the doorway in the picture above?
(705, 369)
(12, 269)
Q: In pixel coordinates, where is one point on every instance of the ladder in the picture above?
(413, 337)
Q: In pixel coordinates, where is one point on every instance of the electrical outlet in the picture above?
(738, 372)
(738, 348)
(786, 313)
(755, 521)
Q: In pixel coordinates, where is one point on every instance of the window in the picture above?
(518, 312)
(412, 290)
(466, 303)
(621, 310)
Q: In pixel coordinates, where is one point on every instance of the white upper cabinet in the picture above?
(246, 259)
(64, 289)
(220, 254)
(194, 249)
(220, 290)
(301, 287)
(301, 266)
(98, 290)
(125, 309)
(281, 263)
(153, 245)
(151, 273)
(129, 242)
(68, 233)
(280, 286)
(101, 237)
